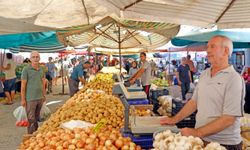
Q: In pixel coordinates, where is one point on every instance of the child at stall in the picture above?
(133, 70)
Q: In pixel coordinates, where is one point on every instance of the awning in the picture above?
(25, 42)
(241, 39)
(205, 13)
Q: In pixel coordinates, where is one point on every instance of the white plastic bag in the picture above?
(192, 87)
(21, 116)
(75, 124)
(45, 112)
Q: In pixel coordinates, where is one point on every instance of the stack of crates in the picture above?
(188, 121)
(154, 98)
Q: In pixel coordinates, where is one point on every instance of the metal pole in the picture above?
(62, 74)
(119, 43)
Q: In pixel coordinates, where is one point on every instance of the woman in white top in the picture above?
(10, 79)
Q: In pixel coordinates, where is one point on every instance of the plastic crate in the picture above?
(138, 102)
(145, 141)
(187, 122)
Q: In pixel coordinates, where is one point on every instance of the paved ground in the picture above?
(10, 135)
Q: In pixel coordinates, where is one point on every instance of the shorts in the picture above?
(9, 85)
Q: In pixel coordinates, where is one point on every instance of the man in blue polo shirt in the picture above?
(78, 75)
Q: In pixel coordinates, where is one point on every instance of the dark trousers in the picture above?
(33, 109)
(233, 147)
(73, 87)
(247, 99)
(192, 76)
(146, 89)
(185, 86)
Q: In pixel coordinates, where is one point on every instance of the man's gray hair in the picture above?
(226, 42)
(34, 52)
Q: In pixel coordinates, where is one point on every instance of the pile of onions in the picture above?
(81, 139)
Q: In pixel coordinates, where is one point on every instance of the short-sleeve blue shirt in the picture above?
(184, 73)
(78, 71)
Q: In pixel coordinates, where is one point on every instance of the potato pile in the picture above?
(173, 141)
(102, 82)
(142, 112)
(79, 139)
(91, 107)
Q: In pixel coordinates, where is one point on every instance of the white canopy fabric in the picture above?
(106, 33)
(12, 26)
(205, 13)
(22, 15)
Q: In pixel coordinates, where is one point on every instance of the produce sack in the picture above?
(21, 116)
(45, 112)
(75, 124)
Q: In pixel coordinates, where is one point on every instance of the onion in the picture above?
(65, 144)
(90, 146)
(125, 147)
(80, 144)
(41, 144)
(118, 143)
(59, 147)
(89, 140)
(73, 147)
(112, 137)
(73, 141)
(77, 136)
(108, 143)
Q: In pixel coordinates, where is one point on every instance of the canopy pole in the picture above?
(119, 43)
(62, 71)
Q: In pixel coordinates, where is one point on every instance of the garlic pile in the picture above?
(167, 140)
(214, 146)
(165, 103)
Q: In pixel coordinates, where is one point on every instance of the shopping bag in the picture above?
(21, 117)
(192, 87)
(45, 112)
(1, 87)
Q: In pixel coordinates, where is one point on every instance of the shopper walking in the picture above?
(183, 76)
(33, 90)
(144, 73)
(192, 68)
(78, 75)
(218, 99)
(50, 74)
(10, 79)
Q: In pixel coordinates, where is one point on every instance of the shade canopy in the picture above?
(17, 16)
(241, 39)
(26, 42)
(132, 34)
(205, 13)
